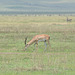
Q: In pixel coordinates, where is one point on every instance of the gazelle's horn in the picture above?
(25, 40)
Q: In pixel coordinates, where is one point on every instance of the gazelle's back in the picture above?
(42, 36)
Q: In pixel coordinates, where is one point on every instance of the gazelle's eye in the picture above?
(26, 44)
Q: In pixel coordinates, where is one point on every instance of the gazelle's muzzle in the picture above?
(26, 46)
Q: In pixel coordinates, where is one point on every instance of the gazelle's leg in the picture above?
(49, 44)
(45, 45)
(36, 45)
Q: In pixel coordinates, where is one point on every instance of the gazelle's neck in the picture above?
(31, 42)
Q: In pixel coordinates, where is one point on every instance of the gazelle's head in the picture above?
(26, 45)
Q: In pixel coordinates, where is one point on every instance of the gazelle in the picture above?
(69, 20)
(36, 39)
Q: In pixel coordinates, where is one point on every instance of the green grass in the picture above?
(57, 60)
(35, 63)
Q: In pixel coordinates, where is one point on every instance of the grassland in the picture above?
(57, 60)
